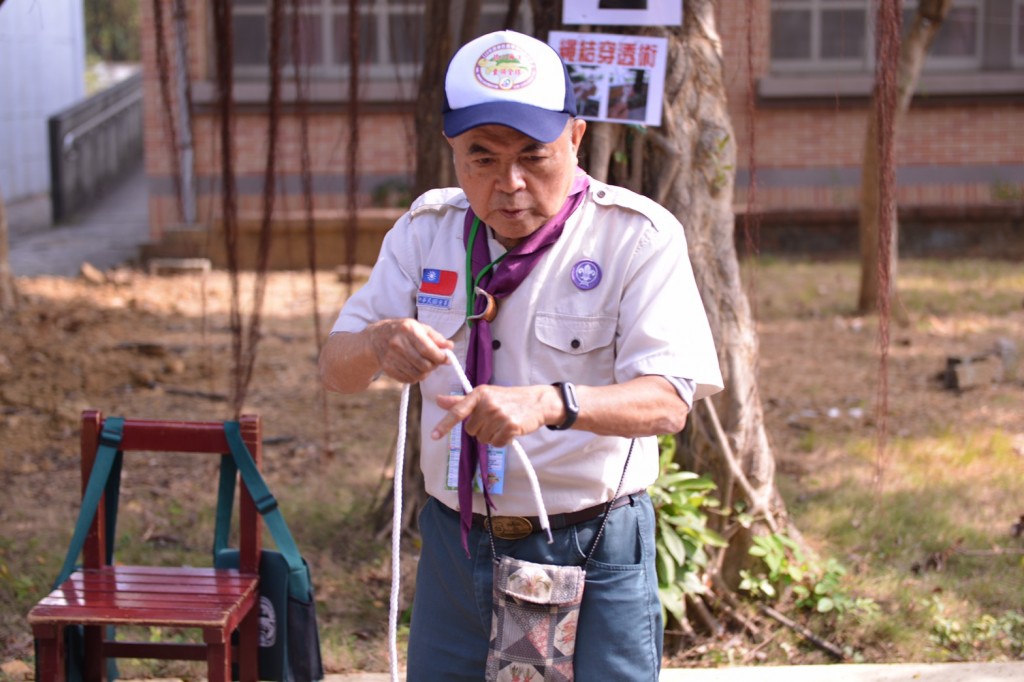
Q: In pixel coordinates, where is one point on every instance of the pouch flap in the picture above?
(539, 583)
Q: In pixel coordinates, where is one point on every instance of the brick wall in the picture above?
(954, 152)
(385, 157)
(950, 151)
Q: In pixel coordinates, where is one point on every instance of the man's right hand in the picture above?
(407, 350)
(404, 349)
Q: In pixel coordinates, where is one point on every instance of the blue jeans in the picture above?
(619, 636)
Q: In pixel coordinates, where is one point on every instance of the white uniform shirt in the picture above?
(632, 309)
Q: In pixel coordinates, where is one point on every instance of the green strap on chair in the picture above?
(105, 478)
(241, 461)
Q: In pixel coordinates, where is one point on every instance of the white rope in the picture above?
(531, 475)
(396, 531)
(396, 520)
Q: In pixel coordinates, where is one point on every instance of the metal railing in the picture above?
(92, 144)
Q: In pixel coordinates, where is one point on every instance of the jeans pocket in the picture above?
(620, 546)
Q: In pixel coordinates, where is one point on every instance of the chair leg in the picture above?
(249, 646)
(50, 642)
(95, 663)
(218, 655)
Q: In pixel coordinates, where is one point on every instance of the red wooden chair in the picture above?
(219, 602)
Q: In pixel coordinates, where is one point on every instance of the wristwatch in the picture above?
(572, 406)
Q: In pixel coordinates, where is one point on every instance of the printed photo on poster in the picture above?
(623, 12)
(616, 78)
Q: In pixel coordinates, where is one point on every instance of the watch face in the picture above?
(569, 397)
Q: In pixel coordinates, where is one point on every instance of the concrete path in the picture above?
(944, 672)
(105, 235)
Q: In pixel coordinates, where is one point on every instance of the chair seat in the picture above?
(148, 595)
(222, 605)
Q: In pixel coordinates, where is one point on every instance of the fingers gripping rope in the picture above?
(531, 474)
(396, 521)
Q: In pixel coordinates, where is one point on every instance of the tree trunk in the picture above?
(691, 173)
(470, 23)
(601, 141)
(433, 159)
(547, 17)
(8, 292)
(927, 21)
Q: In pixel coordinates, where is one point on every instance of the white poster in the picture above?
(616, 78)
(623, 12)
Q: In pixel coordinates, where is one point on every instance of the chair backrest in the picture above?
(180, 437)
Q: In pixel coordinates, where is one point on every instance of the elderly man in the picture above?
(573, 307)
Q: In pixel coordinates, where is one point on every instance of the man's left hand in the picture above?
(497, 414)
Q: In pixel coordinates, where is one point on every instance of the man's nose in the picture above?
(511, 178)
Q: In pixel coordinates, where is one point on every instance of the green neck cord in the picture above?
(473, 282)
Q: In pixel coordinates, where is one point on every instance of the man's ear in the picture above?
(579, 126)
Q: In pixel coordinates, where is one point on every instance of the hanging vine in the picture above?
(751, 217)
(224, 42)
(245, 340)
(889, 22)
(164, 69)
(269, 195)
(352, 158)
(300, 73)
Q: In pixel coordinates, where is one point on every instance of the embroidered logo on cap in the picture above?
(505, 67)
(586, 275)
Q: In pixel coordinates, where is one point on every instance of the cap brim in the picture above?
(540, 124)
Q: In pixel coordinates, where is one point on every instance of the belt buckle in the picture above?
(509, 527)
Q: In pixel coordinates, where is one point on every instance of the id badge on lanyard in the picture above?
(495, 465)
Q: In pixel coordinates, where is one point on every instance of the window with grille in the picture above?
(391, 36)
(838, 36)
(958, 43)
(820, 35)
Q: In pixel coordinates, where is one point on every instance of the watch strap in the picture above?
(567, 391)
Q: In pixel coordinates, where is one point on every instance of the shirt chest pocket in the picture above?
(447, 323)
(577, 349)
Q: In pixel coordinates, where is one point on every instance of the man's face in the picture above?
(513, 182)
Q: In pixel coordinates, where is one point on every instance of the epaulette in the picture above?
(611, 195)
(439, 201)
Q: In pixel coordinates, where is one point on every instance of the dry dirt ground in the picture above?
(160, 347)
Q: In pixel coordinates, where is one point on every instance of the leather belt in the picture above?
(518, 527)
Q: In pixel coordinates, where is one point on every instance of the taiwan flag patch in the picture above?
(438, 282)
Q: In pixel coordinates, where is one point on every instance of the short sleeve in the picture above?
(663, 327)
(390, 291)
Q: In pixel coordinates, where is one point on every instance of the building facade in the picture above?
(36, 38)
(799, 91)
(799, 75)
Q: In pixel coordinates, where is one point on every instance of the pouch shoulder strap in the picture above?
(108, 459)
(266, 504)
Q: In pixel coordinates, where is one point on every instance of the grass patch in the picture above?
(948, 493)
(976, 287)
(930, 540)
(922, 527)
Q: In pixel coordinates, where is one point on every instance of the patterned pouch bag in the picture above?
(536, 608)
(533, 627)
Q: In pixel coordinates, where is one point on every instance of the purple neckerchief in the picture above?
(499, 282)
